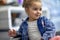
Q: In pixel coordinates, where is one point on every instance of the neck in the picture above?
(31, 19)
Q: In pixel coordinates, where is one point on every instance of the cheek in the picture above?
(41, 12)
(29, 13)
(34, 12)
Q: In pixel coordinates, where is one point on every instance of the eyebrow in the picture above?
(36, 7)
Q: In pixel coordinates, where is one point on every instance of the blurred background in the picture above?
(51, 9)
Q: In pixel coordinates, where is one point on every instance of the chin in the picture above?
(36, 17)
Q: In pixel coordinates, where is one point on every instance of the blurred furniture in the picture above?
(4, 20)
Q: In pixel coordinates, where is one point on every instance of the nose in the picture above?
(38, 11)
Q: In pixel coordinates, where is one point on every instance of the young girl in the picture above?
(34, 27)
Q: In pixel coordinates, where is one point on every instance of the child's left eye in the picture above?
(40, 9)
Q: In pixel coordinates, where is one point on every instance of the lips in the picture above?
(38, 14)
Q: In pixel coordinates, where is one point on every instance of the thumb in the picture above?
(14, 32)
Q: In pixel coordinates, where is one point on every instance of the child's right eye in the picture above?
(34, 8)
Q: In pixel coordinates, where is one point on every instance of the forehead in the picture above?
(36, 4)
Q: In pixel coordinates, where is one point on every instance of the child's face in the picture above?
(35, 10)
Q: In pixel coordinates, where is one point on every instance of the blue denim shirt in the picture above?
(47, 31)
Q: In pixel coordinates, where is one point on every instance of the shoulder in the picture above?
(47, 21)
(43, 18)
(24, 23)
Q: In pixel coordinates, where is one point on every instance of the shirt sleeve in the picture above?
(49, 29)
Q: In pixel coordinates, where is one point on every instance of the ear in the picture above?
(26, 9)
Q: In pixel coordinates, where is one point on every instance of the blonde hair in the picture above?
(27, 3)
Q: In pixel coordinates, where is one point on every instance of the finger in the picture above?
(9, 32)
(14, 32)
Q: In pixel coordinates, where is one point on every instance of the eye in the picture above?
(40, 9)
(35, 8)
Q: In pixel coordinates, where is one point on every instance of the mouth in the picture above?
(38, 15)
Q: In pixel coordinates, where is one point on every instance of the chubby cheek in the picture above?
(37, 14)
(40, 12)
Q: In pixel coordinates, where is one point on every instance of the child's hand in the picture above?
(12, 33)
(55, 38)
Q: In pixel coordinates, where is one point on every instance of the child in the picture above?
(34, 27)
